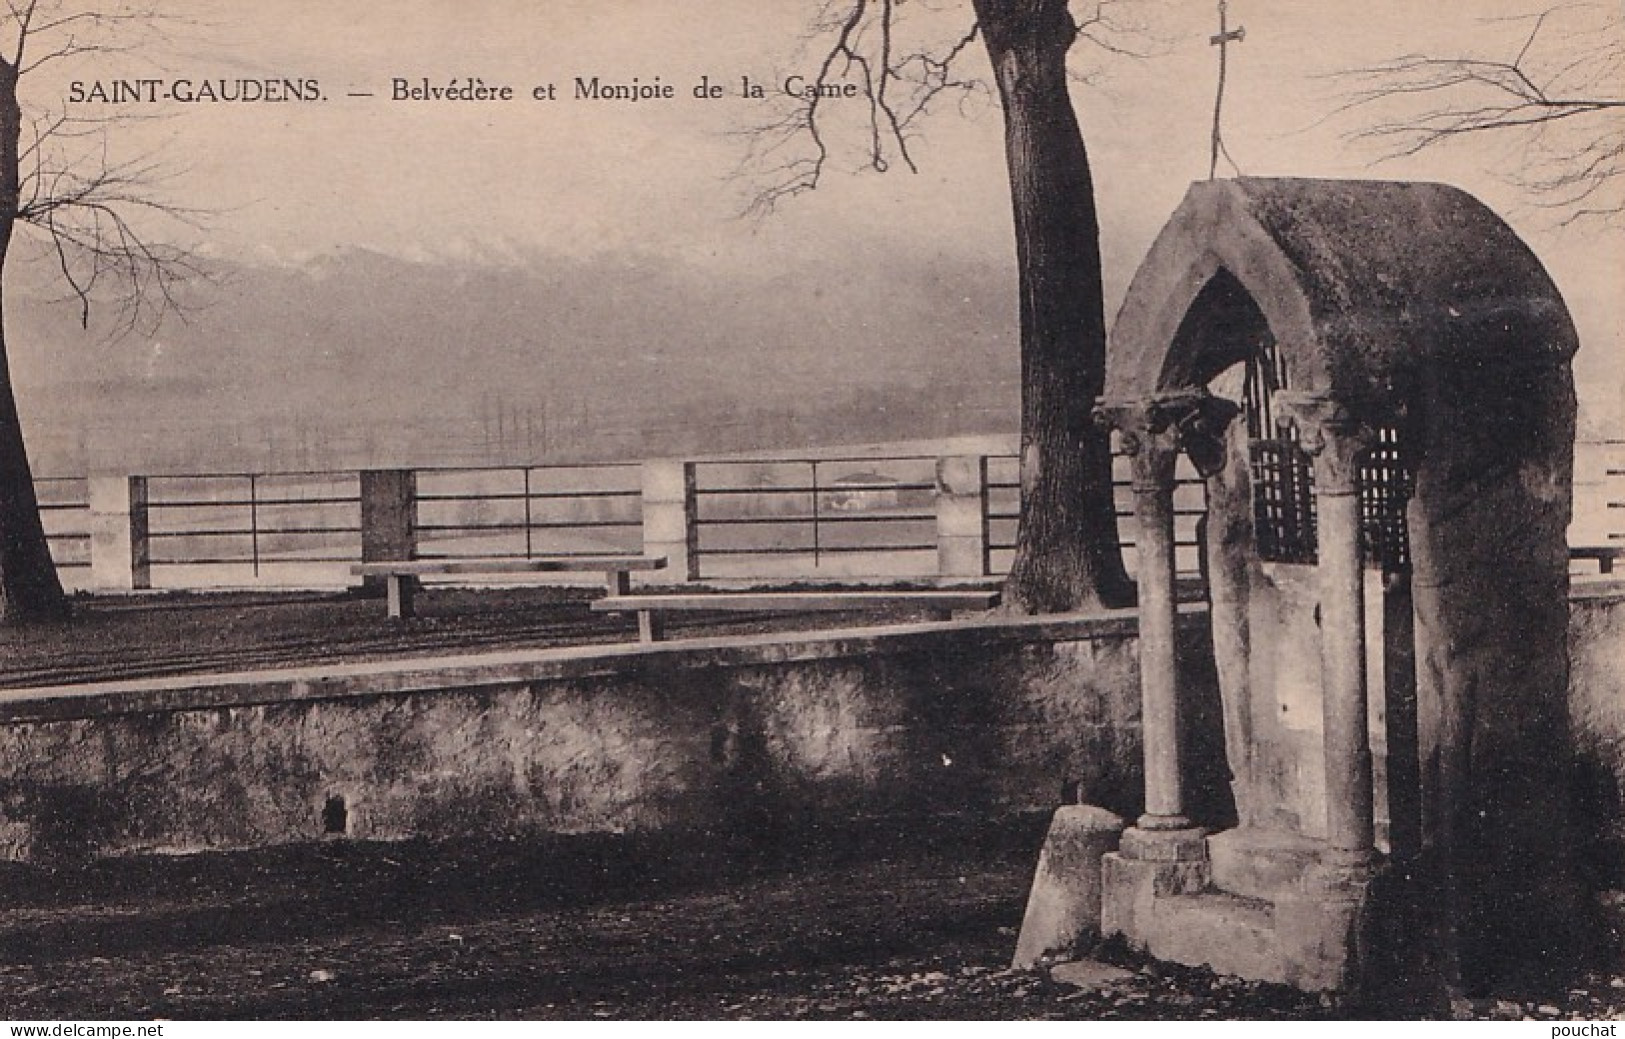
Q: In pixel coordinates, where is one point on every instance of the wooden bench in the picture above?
(938, 604)
(1604, 555)
(401, 577)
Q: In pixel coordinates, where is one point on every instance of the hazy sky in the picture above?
(528, 183)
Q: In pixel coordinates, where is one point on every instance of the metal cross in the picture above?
(1225, 37)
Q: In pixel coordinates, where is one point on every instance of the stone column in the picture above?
(120, 552)
(1334, 438)
(962, 516)
(1151, 442)
(669, 515)
(1162, 854)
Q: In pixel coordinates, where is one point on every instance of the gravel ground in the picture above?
(117, 637)
(843, 927)
(878, 924)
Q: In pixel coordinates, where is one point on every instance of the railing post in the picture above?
(120, 550)
(962, 516)
(669, 518)
(389, 518)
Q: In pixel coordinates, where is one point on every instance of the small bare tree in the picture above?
(905, 59)
(90, 216)
(1556, 95)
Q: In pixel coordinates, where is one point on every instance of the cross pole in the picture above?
(1225, 37)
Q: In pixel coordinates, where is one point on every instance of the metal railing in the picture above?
(64, 504)
(1616, 476)
(254, 520)
(529, 511)
(854, 516)
(897, 517)
(1003, 512)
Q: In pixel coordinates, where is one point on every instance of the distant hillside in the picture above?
(361, 358)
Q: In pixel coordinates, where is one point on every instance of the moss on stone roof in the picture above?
(1363, 283)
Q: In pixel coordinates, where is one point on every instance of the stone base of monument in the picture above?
(1256, 904)
(1063, 907)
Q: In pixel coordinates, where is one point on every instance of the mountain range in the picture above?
(361, 358)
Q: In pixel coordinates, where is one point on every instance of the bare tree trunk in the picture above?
(1067, 554)
(29, 587)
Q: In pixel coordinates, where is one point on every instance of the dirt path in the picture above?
(848, 927)
(853, 925)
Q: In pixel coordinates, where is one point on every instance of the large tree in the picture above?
(87, 216)
(1067, 554)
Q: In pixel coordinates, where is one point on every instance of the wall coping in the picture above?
(498, 670)
(1606, 588)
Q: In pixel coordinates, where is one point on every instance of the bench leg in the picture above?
(401, 589)
(1605, 565)
(651, 626)
(618, 582)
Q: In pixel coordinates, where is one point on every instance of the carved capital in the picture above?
(1147, 436)
(1332, 433)
(1201, 431)
(1154, 429)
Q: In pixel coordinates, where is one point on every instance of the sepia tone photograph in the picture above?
(826, 510)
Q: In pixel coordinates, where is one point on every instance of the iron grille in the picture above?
(1283, 501)
(1284, 480)
(1385, 483)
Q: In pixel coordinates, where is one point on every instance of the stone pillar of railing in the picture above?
(669, 519)
(120, 553)
(389, 518)
(1334, 438)
(962, 516)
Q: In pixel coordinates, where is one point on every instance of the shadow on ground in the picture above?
(865, 921)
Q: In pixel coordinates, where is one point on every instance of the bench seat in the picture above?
(1605, 556)
(401, 576)
(940, 604)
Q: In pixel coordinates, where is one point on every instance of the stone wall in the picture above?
(716, 735)
(1597, 716)
(723, 735)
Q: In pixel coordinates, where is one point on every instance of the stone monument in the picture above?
(1374, 379)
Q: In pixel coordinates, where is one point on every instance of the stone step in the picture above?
(1259, 863)
(1231, 933)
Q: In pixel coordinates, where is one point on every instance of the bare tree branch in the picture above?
(906, 59)
(1565, 109)
(94, 215)
(100, 219)
(1111, 28)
